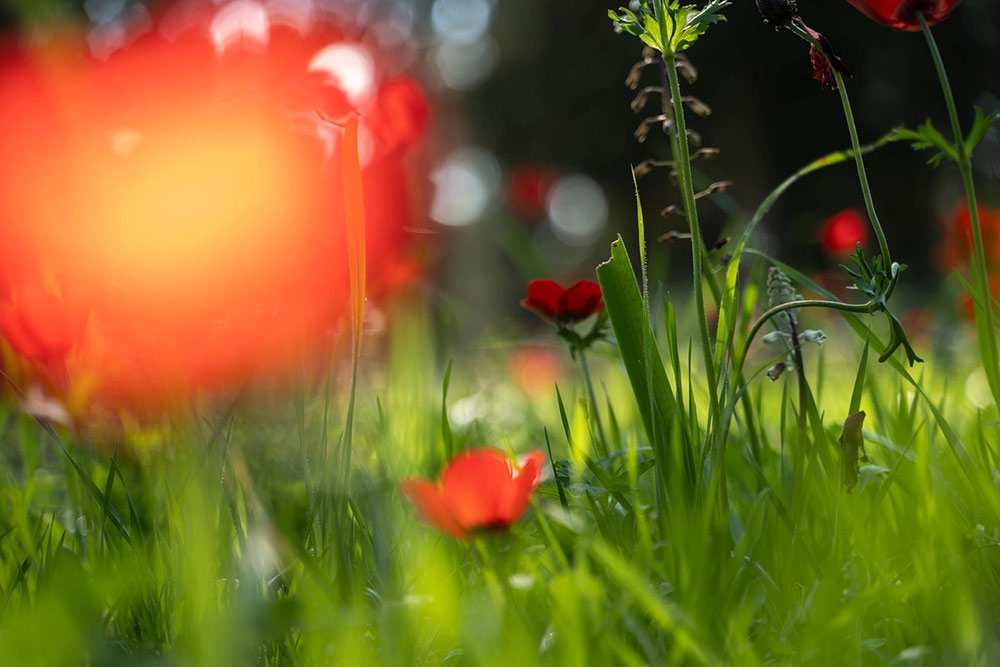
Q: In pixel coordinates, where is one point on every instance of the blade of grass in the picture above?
(627, 313)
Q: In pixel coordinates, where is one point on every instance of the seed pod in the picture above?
(777, 12)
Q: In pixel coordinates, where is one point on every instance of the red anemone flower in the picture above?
(201, 203)
(903, 14)
(479, 489)
(528, 188)
(43, 323)
(843, 231)
(553, 303)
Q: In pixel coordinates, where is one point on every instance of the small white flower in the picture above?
(813, 336)
(773, 337)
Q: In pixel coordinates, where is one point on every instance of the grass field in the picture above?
(227, 535)
(689, 509)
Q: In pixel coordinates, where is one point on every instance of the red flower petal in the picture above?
(429, 500)
(902, 14)
(474, 484)
(400, 114)
(543, 298)
(518, 492)
(478, 489)
(527, 189)
(41, 325)
(581, 301)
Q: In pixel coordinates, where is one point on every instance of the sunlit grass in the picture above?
(238, 546)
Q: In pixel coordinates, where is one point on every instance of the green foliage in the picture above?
(872, 280)
(981, 126)
(674, 28)
(227, 569)
(627, 313)
(927, 137)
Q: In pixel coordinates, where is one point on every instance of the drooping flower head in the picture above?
(479, 490)
(785, 13)
(564, 306)
(824, 61)
(903, 14)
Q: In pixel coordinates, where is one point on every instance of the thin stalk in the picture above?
(665, 105)
(683, 162)
(593, 403)
(800, 372)
(866, 191)
(965, 168)
(856, 147)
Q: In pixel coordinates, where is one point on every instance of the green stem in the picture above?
(984, 316)
(665, 106)
(593, 402)
(866, 191)
(870, 307)
(800, 371)
(856, 147)
(683, 161)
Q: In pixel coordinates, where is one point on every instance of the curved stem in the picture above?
(866, 191)
(869, 307)
(984, 317)
(825, 161)
(856, 146)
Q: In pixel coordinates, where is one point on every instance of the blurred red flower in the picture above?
(478, 490)
(564, 306)
(534, 369)
(956, 250)
(528, 189)
(43, 323)
(842, 231)
(902, 14)
(957, 247)
(190, 174)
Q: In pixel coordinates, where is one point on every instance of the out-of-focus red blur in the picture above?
(842, 231)
(956, 251)
(172, 217)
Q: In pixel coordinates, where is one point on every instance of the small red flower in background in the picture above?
(842, 231)
(957, 247)
(534, 369)
(43, 323)
(528, 189)
(902, 14)
(479, 489)
(562, 306)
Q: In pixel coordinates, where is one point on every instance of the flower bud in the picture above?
(812, 336)
(773, 337)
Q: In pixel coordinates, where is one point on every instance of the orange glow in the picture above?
(190, 189)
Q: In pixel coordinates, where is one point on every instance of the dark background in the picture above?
(557, 98)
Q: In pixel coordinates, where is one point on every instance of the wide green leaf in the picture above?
(627, 313)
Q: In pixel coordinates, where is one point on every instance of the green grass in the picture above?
(225, 536)
(695, 513)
